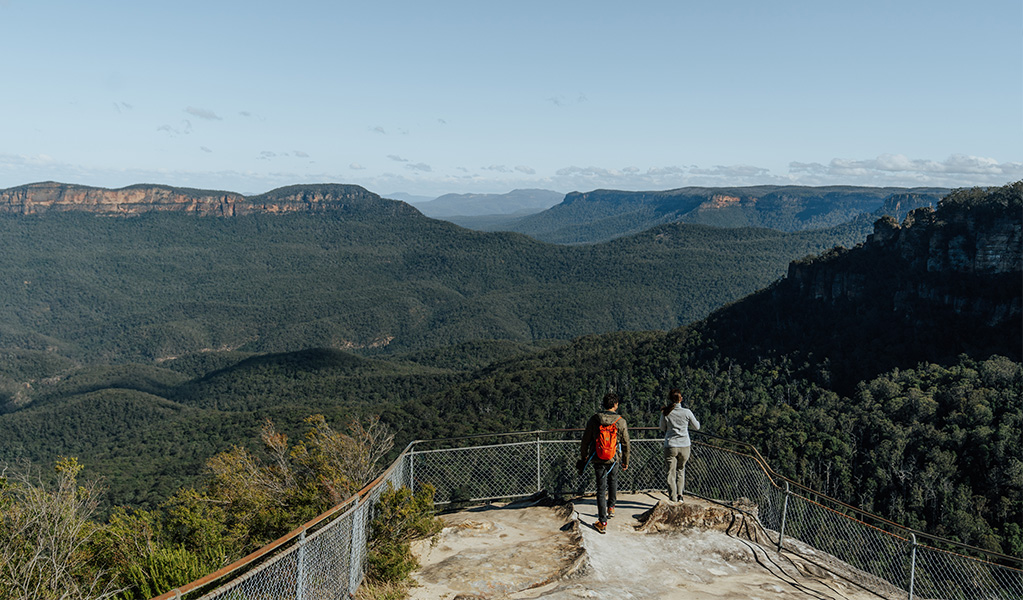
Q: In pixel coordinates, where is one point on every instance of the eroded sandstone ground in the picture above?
(653, 549)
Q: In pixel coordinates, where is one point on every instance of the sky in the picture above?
(429, 98)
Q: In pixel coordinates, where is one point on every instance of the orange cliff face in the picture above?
(39, 198)
(722, 201)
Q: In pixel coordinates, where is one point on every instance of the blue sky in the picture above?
(428, 98)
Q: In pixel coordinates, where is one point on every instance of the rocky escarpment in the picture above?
(39, 198)
(944, 283)
(965, 256)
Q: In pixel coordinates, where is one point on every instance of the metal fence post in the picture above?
(538, 462)
(359, 544)
(300, 584)
(784, 513)
(912, 564)
(411, 469)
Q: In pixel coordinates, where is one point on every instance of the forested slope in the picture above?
(99, 289)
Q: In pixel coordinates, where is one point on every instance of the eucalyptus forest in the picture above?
(192, 378)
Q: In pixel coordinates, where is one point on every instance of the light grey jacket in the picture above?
(675, 427)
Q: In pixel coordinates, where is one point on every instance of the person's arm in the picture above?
(623, 431)
(663, 426)
(693, 422)
(586, 444)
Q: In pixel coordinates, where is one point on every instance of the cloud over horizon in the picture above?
(420, 178)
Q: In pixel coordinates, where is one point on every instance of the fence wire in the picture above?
(329, 562)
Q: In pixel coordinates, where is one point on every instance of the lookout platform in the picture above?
(652, 550)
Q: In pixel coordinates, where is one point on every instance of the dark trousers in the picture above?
(607, 487)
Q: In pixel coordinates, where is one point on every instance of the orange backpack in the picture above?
(607, 441)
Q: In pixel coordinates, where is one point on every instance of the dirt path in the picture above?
(652, 550)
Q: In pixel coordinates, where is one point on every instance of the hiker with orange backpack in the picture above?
(605, 443)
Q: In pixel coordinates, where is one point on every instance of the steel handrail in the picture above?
(254, 556)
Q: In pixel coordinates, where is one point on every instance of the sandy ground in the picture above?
(652, 549)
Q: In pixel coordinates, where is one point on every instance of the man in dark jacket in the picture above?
(605, 470)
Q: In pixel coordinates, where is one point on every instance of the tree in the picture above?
(47, 538)
(247, 501)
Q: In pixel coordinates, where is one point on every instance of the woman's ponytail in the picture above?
(674, 397)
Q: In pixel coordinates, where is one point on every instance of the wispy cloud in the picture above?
(886, 170)
(202, 113)
(742, 172)
(271, 154)
(378, 129)
(421, 178)
(22, 169)
(560, 100)
(903, 170)
(184, 128)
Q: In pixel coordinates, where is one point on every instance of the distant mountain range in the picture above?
(605, 214)
(589, 217)
(515, 202)
(348, 269)
(337, 266)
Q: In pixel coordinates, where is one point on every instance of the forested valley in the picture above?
(864, 373)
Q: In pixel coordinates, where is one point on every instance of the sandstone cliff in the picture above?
(965, 257)
(38, 198)
(941, 284)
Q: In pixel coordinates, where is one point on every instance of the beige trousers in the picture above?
(675, 459)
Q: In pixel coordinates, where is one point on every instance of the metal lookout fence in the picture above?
(326, 558)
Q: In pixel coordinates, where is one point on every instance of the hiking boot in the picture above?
(600, 526)
(610, 512)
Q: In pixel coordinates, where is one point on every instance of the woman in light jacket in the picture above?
(675, 423)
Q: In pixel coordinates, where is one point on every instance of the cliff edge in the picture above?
(39, 198)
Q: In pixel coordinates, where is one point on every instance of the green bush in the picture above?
(401, 517)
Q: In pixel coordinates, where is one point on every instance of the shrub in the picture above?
(401, 517)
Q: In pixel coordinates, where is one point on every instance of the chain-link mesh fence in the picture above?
(884, 555)
(328, 560)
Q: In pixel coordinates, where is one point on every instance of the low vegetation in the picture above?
(401, 518)
(53, 543)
